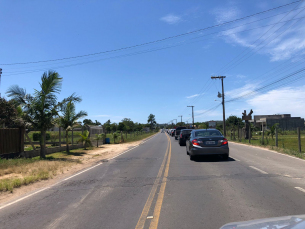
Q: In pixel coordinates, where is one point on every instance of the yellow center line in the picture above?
(151, 196)
(158, 206)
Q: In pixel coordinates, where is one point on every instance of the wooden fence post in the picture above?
(263, 143)
(72, 136)
(126, 134)
(276, 138)
(249, 133)
(299, 139)
(238, 133)
(59, 131)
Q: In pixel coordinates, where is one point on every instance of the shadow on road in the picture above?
(216, 158)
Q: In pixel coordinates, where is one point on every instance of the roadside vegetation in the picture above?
(18, 172)
(287, 142)
(41, 112)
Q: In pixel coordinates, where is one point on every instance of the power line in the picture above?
(245, 57)
(128, 54)
(155, 41)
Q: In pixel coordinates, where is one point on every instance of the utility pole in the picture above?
(192, 114)
(176, 121)
(0, 79)
(223, 103)
(181, 118)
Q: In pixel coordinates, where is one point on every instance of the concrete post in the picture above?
(276, 138)
(299, 139)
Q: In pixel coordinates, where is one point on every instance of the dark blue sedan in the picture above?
(207, 142)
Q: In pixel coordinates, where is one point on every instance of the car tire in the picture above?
(192, 157)
(225, 157)
(187, 152)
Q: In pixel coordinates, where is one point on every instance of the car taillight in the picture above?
(180, 135)
(195, 142)
(224, 141)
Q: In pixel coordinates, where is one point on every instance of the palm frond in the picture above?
(17, 93)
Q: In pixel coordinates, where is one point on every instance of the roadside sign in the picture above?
(212, 124)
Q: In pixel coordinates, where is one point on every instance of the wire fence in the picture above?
(292, 140)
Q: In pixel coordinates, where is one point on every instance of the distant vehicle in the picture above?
(177, 132)
(184, 134)
(173, 132)
(207, 142)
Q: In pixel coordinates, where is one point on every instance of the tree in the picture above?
(234, 121)
(181, 124)
(107, 126)
(272, 129)
(69, 119)
(121, 126)
(99, 137)
(151, 121)
(97, 123)
(114, 127)
(8, 113)
(88, 122)
(85, 139)
(41, 109)
(128, 123)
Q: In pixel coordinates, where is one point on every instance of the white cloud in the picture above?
(280, 41)
(240, 76)
(171, 19)
(288, 100)
(246, 89)
(192, 96)
(225, 14)
(101, 116)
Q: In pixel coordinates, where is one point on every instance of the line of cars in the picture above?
(200, 142)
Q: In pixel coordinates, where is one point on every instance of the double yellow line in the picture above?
(156, 214)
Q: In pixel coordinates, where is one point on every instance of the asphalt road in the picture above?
(156, 185)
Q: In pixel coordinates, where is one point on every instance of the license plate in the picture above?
(210, 142)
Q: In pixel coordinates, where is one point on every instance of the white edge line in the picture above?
(25, 197)
(234, 158)
(272, 151)
(300, 189)
(258, 169)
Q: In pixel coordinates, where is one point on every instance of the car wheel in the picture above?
(187, 152)
(225, 157)
(192, 157)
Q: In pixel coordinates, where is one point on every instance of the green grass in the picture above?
(287, 143)
(130, 137)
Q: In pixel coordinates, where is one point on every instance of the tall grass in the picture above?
(17, 172)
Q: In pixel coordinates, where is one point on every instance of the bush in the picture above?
(36, 137)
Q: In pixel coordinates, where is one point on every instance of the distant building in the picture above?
(285, 121)
(146, 129)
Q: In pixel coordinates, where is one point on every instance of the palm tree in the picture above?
(41, 109)
(99, 137)
(69, 119)
(85, 139)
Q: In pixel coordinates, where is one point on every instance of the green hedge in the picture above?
(36, 137)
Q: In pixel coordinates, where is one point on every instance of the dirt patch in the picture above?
(87, 158)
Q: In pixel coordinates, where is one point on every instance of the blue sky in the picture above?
(164, 77)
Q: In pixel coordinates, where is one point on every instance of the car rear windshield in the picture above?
(179, 128)
(186, 131)
(205, 133)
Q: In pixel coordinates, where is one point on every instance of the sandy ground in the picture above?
(91, 157)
